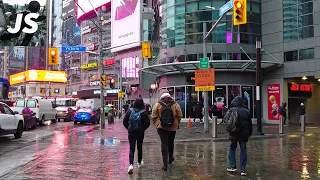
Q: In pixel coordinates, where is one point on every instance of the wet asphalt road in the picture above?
(66, 151)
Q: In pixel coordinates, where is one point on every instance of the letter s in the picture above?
(17, 25)
(34, 25)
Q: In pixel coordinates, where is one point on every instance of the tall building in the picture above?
(289, 31)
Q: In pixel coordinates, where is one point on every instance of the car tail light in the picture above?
(76, 113)
(38, 105)
(67, 112)
(14, 104)
(92, 114)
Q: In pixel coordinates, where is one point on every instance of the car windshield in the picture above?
(20, 103)
(31, 103)
(85, 110)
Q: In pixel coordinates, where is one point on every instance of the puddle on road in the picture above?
(107, 142)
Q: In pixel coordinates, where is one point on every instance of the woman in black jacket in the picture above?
(136, 121)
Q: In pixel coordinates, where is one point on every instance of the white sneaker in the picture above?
(130, 169)
(140, 165)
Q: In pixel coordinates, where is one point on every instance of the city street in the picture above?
(67, 151)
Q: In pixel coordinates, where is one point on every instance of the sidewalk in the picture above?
(195, 133)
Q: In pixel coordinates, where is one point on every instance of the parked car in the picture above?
(65, 113)
(44, 109)
(11, 122)
(30, 119)
(87, 115)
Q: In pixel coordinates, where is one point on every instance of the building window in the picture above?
(32, 90)
(192, 7)
(306, 54)
(291, 56)
(298, 20)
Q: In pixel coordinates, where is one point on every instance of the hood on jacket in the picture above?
(237, 102)
(167, 100)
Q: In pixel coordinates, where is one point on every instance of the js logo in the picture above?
(28, 20)
(24, 22)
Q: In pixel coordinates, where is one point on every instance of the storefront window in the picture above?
(220, 100)
(180, 98)
(192, 99)
(233, 91)
(247, 94)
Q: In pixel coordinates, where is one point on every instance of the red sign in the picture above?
(273, 101)
(301, 87)
(109, 62)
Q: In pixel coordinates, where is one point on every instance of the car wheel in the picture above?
(58, 120)
(53, 121)
(18, 134)
(26, 126)
(41, 122)
(75, 122)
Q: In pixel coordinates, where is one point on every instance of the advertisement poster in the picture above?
(273, 101)
(124, 13)
(23, 23)
(247, 96)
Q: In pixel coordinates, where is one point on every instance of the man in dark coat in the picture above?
(198, 112)
(245, 131)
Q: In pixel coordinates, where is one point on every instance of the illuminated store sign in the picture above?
(91, 65)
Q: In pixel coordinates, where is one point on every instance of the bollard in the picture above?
(303, 124)
(281, 125)
(214, 126)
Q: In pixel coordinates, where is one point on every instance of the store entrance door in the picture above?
(293, 109)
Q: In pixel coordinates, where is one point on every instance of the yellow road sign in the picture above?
(205, 88)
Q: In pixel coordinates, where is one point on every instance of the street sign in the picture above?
(146, 50)
(226, 7)
(121, 94)
(204, 63)
(205, 79)
(74, 49)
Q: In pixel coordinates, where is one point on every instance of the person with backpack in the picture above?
(166, 116)
(136, 121)
(239, 126)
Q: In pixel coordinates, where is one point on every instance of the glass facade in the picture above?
(297, 20)
(182, 23)
(187, 97)
(296, 55)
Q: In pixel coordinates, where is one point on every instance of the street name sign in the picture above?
(204, 63)
(226, 7)
(205, 79)
(74, 49)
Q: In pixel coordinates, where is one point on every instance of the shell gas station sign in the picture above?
(38, 76)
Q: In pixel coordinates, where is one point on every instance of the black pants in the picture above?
(135, 137)
(167, 144)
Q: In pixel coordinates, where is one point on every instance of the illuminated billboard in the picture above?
(38, 76)
(125, 24)
(84, 7)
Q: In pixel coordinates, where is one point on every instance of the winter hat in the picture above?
(164, 95)
(165, 91)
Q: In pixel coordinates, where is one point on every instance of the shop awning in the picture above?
(219, 65)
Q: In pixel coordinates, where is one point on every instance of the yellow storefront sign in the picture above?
(91, 65)
(205, 88)
(38, 76)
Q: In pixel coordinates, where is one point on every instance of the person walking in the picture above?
(136, 121)
(302, 112)
(239, 126)
(166, 116)
(198, 112)
(283, 112)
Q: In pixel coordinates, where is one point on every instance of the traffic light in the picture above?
(104, 80)
(112, 83)
(240, 12)
(53, 57)
(146, 50)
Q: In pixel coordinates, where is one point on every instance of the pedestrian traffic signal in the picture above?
(53, 56)
(112, 83)
(240, 12)
(104, 80)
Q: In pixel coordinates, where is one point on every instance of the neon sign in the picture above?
(301, 87)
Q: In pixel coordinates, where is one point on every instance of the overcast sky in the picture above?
(22, 2)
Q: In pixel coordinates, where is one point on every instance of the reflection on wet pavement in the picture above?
(72, 154)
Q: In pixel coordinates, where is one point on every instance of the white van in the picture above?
(44, 109)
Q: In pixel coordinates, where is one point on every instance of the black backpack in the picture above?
(135, 121)
(166, 118)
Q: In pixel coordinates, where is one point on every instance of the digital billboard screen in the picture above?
(68, 9)
(23, 23)
(84, 7)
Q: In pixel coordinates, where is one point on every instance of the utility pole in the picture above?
(102, 118)
(258, 84)
(205, 93)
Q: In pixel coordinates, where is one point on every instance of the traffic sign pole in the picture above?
(205, 93)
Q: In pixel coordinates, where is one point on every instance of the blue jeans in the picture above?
(243, 155)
